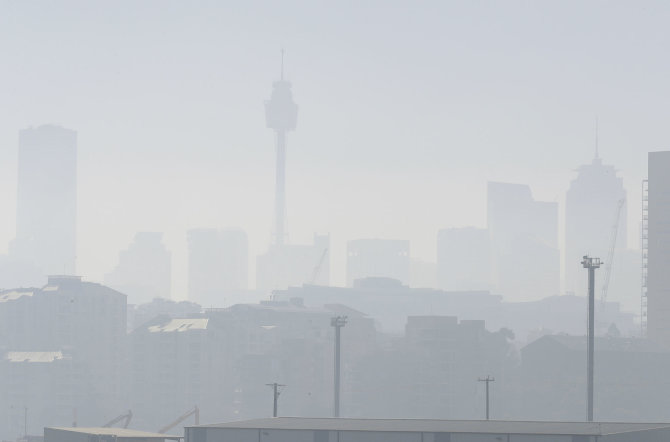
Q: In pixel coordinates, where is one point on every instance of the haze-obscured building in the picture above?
(218, 262)
(594, 204)
(463, 259)
(288, 265)
(46, 212)
(552, 383)
(658, 276)
(144, 271)
(63, 349)
(385, 258)
(525, 260)
(287, 429)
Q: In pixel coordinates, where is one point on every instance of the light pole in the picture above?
(488, 380)
(276, 392)
(338, 322)
(591, 264)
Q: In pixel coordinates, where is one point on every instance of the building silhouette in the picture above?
(217, 263)
(46, 215)
(463, 259)
(286, 264)
(294, 265)
(591, 210)
(281, 115)
(63, 348)
(525, 261)
(383, 258)
(144, 271)
(658, 276)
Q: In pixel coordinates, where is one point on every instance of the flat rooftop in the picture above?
(441, 426)
(121, 433)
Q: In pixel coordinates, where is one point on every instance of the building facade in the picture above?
(383, 258)
(658, 277)
(46, 217)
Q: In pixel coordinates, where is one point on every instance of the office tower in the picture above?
(463, 261)
(217, 263)
(525, 261)
(658, 266)
(294, 265)
(595, 205)
(384, 258)
(46, 217)
(144, 269)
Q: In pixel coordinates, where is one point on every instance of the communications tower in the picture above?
(281, 115)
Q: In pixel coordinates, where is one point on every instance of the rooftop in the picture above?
(33, 356)
(180, 325)
(121, 433)
(441, 426)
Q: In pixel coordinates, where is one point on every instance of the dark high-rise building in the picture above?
(217, 263)
(594, 203)
(46, 220)
(525, 261)
(658, 265)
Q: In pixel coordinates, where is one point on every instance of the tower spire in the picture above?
(282, 65)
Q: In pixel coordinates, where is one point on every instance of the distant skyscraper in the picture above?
(293, 265)
(281, 115)
(525, 261)
(591, 206)
(463, 261)
(144, 271)
(217, 263)
(658, 276)
(378, 258)
(46, 220)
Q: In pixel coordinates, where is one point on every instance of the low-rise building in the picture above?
(423, 430)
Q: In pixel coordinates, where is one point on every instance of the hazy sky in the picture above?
(406, 110)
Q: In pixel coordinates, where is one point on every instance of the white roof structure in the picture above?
(180, 325)
(34, 356)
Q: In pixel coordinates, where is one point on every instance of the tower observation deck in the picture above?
(281, 115)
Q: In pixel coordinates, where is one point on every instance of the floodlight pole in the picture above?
(337, 322)
(591, 264)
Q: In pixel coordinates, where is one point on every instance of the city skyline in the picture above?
(172, 159)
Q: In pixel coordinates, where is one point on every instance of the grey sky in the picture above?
(406, 109)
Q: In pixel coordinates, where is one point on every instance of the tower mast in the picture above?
(281, 115)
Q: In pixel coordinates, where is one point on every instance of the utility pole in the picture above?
(338, 322)
(488, 379)
(25, 422)
(591, 264)
(276, 392)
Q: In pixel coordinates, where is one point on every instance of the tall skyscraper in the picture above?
(384, 258)
(591, 211)
(281, 115)
(525, 261)
(46, 217)
(658, 274)
(217, 263)
(144, 271)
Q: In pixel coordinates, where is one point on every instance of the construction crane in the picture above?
(195, 411)
(610, 254)
(317, 268)
(127, 416)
